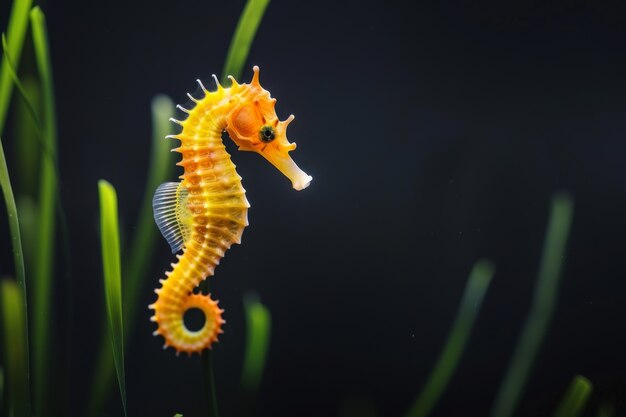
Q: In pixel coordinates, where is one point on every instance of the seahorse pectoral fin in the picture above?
(171, 214)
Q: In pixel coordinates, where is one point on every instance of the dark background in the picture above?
(435, 134)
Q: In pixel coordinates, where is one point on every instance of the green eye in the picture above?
(267, 134)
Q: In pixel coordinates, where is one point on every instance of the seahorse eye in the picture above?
(267, 134)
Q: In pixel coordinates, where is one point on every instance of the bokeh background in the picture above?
(435, 134)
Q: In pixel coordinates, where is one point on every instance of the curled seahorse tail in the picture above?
(170, 319)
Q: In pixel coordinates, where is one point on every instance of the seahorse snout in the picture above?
(281, 160)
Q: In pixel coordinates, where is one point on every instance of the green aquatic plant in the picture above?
(242, 39)
(37, 215)
(14, 311)
(552, 261)
(258, 324)
(575, 398)
(26, 162)
(40, 225)
(14, 228)
(543, 304)
(43, 260)
(477, 286)
(13, 297)
(17, 28)
(258, 328)
(141, 250)
(111, 265)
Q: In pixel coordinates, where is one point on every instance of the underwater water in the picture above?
(436, 136)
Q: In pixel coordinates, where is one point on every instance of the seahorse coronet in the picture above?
(207, 211)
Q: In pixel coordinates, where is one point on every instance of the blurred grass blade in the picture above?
(18, 23)
(35, 129)
(145, 238)
(575, 398)
(142, 247)
(15, 348)
(259, 323)
(477, 285)
(111, 265)
(27, 155)
(178, 415)
(19, 371)
(544, 299)
(44, 255)
(243, 37)
(44, 67)
(14, 226)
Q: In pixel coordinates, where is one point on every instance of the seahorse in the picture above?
(207, 211)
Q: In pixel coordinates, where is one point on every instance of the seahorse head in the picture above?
(254, 126)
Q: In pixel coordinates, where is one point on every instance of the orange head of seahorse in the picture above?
(253, 125)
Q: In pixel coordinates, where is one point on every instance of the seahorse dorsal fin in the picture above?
(171, 214)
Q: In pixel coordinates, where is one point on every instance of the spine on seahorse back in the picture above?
(217, 204)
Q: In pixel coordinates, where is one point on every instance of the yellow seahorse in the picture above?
(206, 212)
